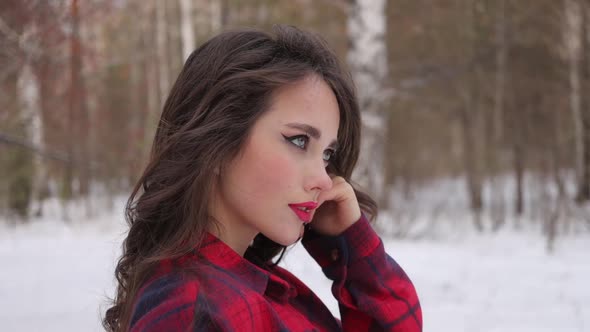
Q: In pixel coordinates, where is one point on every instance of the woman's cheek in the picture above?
(276, 172)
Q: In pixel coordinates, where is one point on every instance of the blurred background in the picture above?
(476, 137)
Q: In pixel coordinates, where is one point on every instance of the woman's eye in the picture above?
(328, 154)
(300, 141)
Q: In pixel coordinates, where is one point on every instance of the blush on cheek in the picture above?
(274, 173)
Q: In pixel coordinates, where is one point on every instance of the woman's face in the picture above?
(281, 167)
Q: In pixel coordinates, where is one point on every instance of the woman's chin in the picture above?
(288, 239)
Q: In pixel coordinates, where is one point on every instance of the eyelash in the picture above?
(291, 139)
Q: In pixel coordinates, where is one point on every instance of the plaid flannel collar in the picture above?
(265, 281)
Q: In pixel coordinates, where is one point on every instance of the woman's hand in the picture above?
(338, 209)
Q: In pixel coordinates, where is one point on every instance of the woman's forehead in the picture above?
(309, 101)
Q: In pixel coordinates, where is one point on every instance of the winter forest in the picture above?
(476, 145)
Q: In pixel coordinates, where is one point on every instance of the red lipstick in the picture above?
(304, 210)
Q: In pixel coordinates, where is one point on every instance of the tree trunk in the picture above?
(173, 41)
(560, 206)
(44, 71)
(187, 31)
(153, 99)
(473, 177)
(470, 115)
(31, 109)
(78, 110)
(573, 39)
(144, 101)
(367, 58)
(497, 208)
(218, 15)
(583, 120)
(518, 159)
(161, 49)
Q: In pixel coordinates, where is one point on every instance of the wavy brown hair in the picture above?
(223, 88)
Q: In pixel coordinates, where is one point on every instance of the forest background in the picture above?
(489, 98)
(476, 145)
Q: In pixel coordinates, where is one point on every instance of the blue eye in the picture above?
(299, 141)
(328, 154)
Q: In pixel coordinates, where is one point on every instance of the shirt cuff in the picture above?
(355, 243)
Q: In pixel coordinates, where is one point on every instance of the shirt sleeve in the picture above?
(373, 291)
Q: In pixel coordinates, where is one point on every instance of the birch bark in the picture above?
(367, 58)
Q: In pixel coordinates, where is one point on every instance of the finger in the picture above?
(336, 179)
(337, 193)
(324, 195)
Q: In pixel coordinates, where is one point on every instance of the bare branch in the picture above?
(23, 143)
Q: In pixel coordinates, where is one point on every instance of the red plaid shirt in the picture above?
(225, 292)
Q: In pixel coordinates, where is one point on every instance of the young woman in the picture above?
(254, 151)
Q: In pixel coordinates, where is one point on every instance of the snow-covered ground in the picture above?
(56, 277)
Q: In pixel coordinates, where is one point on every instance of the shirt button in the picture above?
(335, 254)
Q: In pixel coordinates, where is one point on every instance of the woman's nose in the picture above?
(318, 179)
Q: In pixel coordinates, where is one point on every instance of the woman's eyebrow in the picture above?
(311, 131)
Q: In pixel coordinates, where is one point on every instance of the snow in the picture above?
(503, 282)
(57, 276)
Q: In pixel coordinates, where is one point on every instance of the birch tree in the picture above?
(187, 32)
(25, 40)
(217, 14)
(367, 58)
(28, 87)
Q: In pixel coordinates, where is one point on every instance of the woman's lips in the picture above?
(304, 211)
(303, 215)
